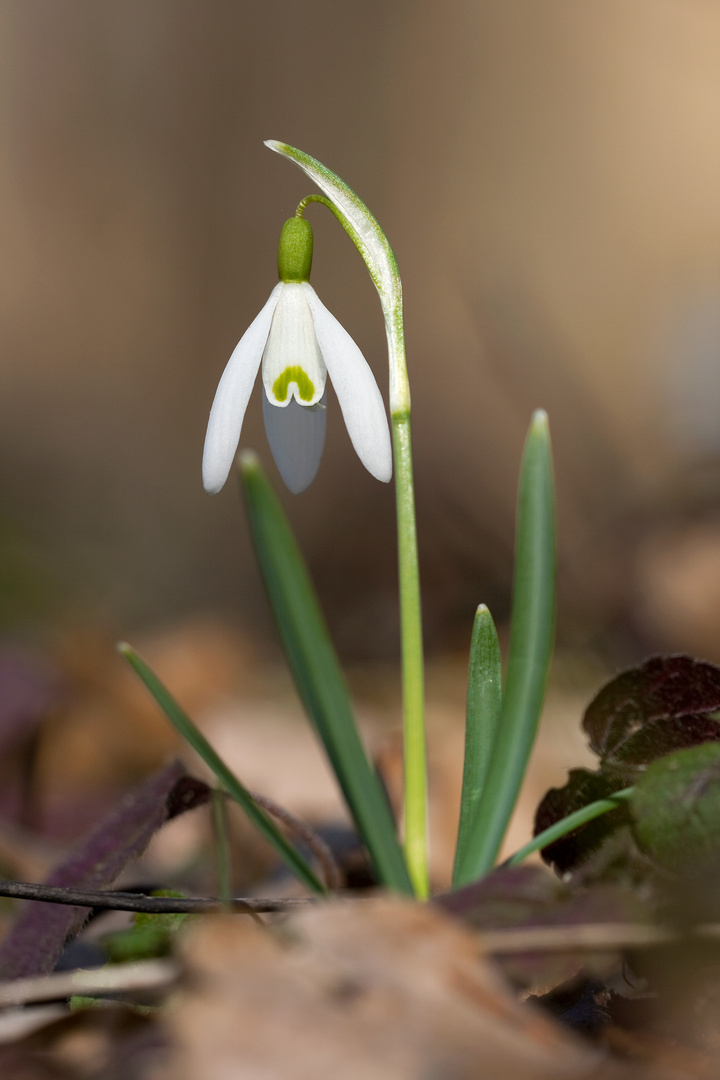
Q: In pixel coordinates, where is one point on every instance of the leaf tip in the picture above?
(248, 462)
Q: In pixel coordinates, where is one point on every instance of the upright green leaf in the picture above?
(484, 698)
(317, 673)
(531, 640)
(192, 734)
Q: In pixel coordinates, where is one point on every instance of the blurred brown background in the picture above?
(548, 174)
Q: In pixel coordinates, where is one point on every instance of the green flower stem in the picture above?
(484, 698)
(415, 757)
(567, 824)
(372, 244)
(531, 640)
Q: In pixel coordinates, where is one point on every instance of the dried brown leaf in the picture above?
(385, 989)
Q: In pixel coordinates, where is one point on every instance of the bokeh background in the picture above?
(548, 174)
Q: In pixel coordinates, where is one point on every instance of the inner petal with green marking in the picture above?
(293, 368)
(305, 390)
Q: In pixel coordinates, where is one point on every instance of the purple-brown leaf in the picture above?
(509, 896)
(528, 896)
(654, 709)
(582, 788)
(27, 691)
(35, 941)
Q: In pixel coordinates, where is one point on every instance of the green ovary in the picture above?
(296, 375)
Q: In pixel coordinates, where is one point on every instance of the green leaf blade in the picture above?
(568, 824)
(531, 641)
(317, 673)
(484, 699)
(192, 735)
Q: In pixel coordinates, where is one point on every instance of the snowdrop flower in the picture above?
(298, 343)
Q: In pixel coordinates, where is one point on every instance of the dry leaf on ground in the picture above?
(384, 989)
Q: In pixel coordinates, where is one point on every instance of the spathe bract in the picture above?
(299, 344)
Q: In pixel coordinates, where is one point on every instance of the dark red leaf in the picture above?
(676, 688)
(664, 705)
(37, 938)
(658, 738)
(582, 788)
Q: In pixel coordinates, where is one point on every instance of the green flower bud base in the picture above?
(295, 251)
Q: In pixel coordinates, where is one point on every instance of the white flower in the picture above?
(299, 343)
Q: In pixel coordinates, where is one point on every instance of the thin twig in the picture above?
(303, 832)
(103, 900)
(143, 975)
(588, 937)
(584, 937)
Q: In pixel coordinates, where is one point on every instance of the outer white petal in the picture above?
(360, 400)
(232, 396)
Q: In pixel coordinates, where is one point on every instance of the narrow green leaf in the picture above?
(531, 640)
(317, 673)
(567, 824)
(185, 726)
(484, 698)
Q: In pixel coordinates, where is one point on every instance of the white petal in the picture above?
(296, 434)
(232, 396)
(354, 383)
(292, 364)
